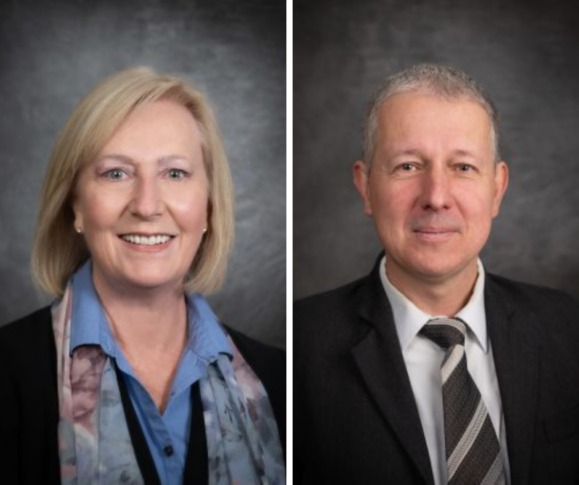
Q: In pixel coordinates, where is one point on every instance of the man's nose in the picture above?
(146, 202)
(435, 193)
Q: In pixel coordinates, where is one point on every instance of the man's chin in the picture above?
(435, 271)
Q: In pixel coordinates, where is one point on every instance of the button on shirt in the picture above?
(423, 359)
(167, 434)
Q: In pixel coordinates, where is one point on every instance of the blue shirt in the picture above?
(167, 434)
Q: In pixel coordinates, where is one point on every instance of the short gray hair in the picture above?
(443, 81)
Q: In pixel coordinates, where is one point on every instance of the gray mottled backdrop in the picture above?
(527, 56)
(54, 52)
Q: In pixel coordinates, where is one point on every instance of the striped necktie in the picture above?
(473, 454)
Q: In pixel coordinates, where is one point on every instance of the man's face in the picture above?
(434, 187)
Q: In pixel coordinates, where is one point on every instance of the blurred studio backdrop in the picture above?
(526, 55)
(53, 52)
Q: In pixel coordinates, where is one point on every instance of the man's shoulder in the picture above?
(336, 301)
(331, 322)
(530, 294)
(555, 310)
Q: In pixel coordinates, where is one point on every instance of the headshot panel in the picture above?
(431, 345)
(523, 55)
(143, 322)
(235, 55)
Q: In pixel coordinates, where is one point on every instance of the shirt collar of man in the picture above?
(90, 327)
(409, 319)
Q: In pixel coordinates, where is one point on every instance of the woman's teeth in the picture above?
(146, 240)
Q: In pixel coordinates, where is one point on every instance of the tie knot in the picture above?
(445, 332)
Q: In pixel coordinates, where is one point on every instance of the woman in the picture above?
(128, 377)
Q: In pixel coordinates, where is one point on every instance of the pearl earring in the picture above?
(78, 230)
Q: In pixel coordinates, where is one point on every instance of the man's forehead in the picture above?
(414, 123)
(416, 100)
(408, 112)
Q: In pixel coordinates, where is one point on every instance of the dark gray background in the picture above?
(53, 53)
(526, 54)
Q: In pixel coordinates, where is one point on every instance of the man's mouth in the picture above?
(433, 231)
(434, 234)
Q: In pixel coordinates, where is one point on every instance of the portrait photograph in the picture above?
(54, 54)
(143, 307)
(523, 55)
(435, 220)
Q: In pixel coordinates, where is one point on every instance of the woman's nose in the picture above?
(146, 202)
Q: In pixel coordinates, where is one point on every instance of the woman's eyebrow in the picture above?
(168, 159)
(117, 157)
(163, 161)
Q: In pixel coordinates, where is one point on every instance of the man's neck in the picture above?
(435, 295)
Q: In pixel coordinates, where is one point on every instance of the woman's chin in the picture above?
(144, 279)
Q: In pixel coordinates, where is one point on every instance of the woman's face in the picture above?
(142, 204)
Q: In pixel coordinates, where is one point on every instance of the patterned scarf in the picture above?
(95, 447)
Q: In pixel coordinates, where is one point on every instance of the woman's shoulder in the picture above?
(255, 348)
(269, 363)
(28, 324)
(29, 335)
(29, 400)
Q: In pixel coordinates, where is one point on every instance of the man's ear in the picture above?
(361, 181)
(501, 184)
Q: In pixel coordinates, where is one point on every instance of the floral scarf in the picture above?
(94, 442)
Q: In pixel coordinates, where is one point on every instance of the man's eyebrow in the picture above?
(413, 151)
(409, 151)
(464, 153)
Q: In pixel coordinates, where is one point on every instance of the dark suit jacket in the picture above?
(29, 402)
(355, 418)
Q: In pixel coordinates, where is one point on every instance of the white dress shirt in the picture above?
(423, 359)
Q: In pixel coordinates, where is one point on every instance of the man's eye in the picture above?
(406, 167)
(114, 174)
(464, 167)
(176, 174)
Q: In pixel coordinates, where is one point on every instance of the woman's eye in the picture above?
(114, 174)
(176, 174)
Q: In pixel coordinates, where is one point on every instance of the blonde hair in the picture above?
(58, 252)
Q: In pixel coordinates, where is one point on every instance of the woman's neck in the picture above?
(142, 319)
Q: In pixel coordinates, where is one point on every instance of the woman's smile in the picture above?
(147, 243)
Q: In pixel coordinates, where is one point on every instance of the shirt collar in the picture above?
(409, 319)
(89, 324)
(207, 338)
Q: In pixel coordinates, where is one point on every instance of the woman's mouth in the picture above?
(142, 240)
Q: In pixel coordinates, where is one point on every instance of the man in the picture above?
(430, 370)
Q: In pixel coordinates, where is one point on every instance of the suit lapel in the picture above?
(515, 339)
(380, 361)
